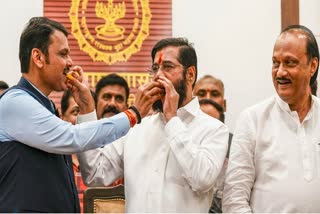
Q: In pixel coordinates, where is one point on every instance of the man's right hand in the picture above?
(81, 91)
(146, 95)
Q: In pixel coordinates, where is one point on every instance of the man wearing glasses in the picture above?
(172, 159)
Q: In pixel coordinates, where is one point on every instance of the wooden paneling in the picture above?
(160, 27)
(289, 13)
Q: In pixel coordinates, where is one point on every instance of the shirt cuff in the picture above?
(87, 117)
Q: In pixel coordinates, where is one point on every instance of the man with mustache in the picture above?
(111, 98)
(35, 144)
(274, 164)
(112, 93)
(171, 160)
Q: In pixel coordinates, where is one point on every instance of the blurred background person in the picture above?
(209, 87)
(69, 112)
(111, 97)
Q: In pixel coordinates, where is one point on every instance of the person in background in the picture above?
(69, 112)
(274, 160)
(112, 93)
(212, 108)
(3, 86)
(210, 88)
(35, 172)
(171, 160)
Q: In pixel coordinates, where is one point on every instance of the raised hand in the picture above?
(80, 89)
(170, 99)
(146, 95)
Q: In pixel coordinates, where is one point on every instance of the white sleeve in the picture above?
(103, 166)
(240, 173)
(201, 158)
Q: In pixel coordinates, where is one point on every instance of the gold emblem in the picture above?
(109, 41)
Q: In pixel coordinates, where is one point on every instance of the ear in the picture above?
(225, 105)
(191, 74)
(37, 57)
(314, 65)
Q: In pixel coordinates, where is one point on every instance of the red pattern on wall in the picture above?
(160, 27)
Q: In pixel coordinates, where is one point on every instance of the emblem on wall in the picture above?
(108, 30)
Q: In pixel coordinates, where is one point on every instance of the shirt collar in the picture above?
(285, 106)
(191, 108)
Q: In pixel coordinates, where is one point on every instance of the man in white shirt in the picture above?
(171, 160)
(274, 164)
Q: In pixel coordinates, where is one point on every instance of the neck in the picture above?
(302, 107)
(37, 83)
(188, 97)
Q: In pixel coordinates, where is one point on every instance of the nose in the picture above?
(208, 95)
(158, 73)
(281, 71)
(112, 101)
(69, 62)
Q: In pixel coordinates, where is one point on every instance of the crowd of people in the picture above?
(170, 149)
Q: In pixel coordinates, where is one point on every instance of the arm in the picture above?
(201, 162)
(35, 126)
(101, 167)
(240, 174)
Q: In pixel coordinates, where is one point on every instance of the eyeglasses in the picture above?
(165, 66)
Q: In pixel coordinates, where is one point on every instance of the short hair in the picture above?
(312, 45)
(3, 85)
(215, 105)
(207, 76)
(187, 54)
(65, 101)
(37, 34)
(112, 79)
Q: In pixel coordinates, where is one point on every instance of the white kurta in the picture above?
(274, 161)
(168, 167)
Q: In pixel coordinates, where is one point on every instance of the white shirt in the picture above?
(274, 165)
(168, 167)
(24, 119)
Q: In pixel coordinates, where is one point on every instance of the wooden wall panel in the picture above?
(289, 13)
(134, 69)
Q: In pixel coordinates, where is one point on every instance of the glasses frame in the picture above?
(171, 66)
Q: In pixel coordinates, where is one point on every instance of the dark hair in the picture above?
(65, 101)
(187, 54)
(37, 35)
(111, 79)
(312, 45)
(215, 105)
(3, 85)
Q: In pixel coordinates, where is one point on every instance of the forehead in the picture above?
(291, 43)
(72, 103)
(58, 40)
(169, 53)
(113, 89)
(210, 84)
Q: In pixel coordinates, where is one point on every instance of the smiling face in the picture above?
(291, 69)
(52, 67)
